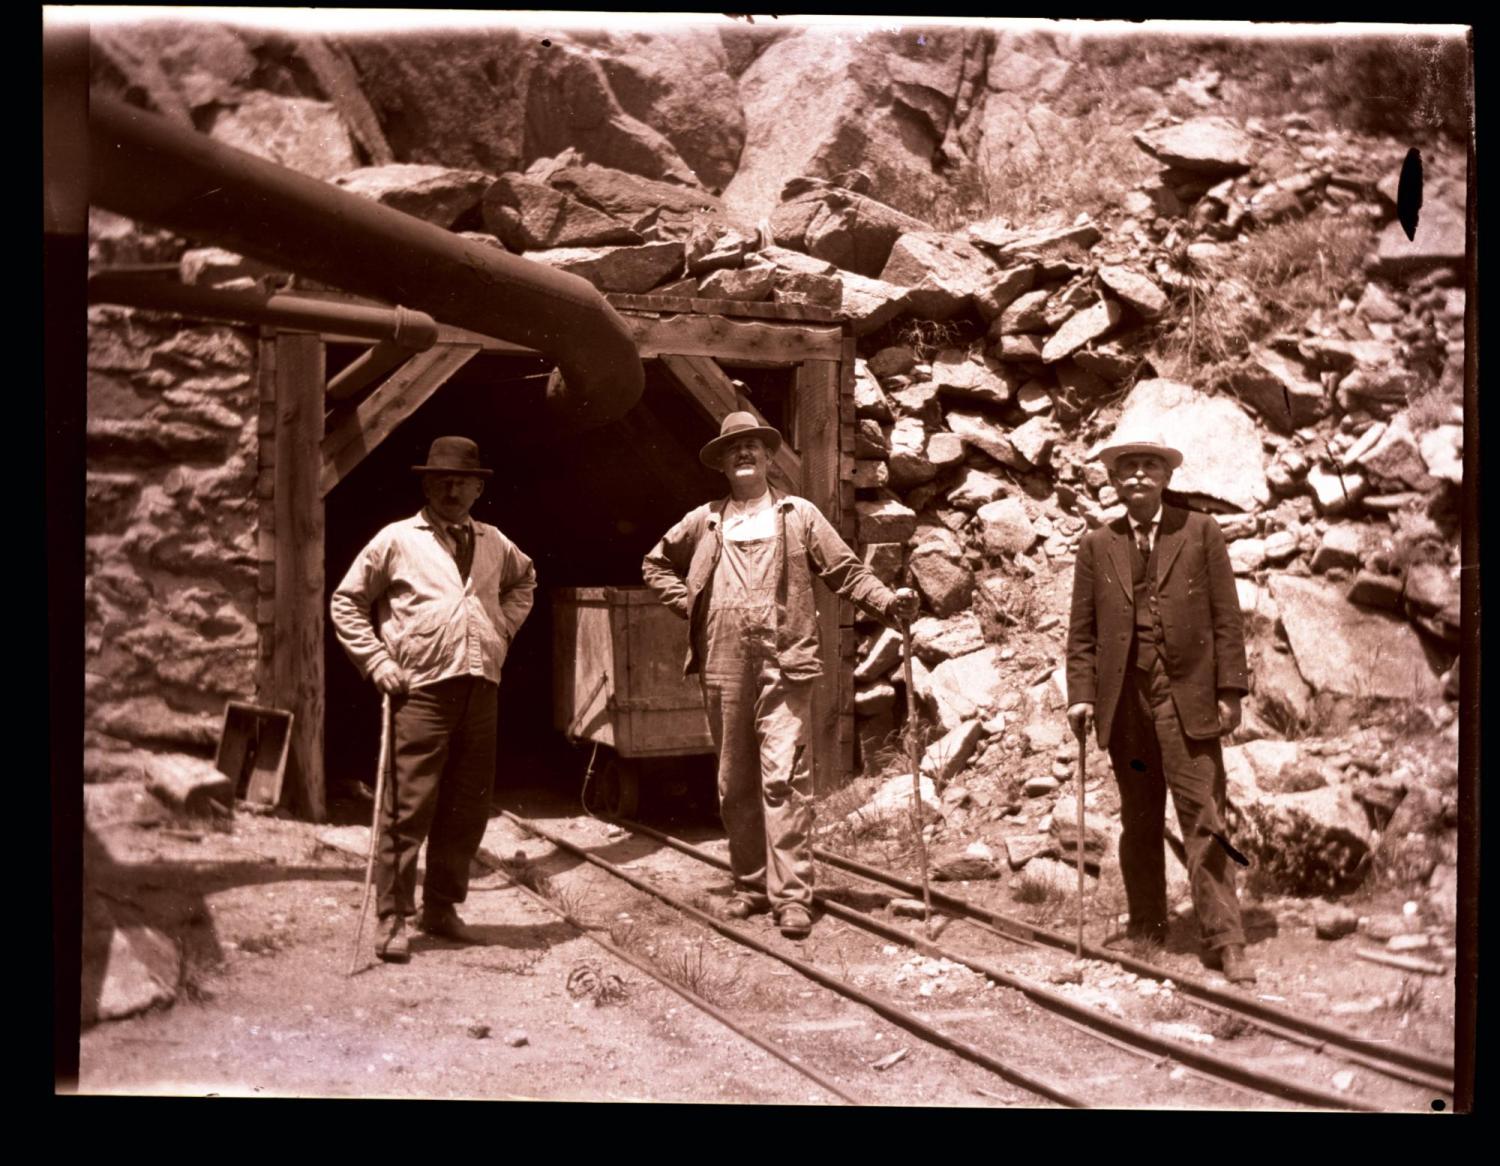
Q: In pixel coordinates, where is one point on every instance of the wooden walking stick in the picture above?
(1083, 751)
(913, 753)
(380, 781)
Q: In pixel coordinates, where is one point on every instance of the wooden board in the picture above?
(692, 304)
(254, 744)
(732, 340)
(357, 433)
(297, 647)
(716, 395)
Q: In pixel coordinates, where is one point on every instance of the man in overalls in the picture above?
(740, 571)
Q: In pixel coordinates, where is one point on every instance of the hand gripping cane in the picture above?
(380, 782)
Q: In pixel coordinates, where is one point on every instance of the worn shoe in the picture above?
(1144, 941)
(392, 944)
(794, 921)
(1235, 964)
(444, 923)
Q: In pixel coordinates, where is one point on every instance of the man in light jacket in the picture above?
(740, 571)
(428, 611)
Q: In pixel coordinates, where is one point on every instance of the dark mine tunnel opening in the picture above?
(586, 505)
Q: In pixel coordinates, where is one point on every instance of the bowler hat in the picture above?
(453, 455)
(1138, 441)
(734, 427)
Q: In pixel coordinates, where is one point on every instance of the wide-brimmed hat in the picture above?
(734, 427)
(1138, 441)
(453, 455)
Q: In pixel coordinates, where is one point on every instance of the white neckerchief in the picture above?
(748, 520)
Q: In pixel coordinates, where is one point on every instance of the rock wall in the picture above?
(170, 565)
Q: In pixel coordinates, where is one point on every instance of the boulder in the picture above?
(945, 450)
(1083, 328)
(975, 861)
(527, 215)
(871, 474)
(945, 758)
(1354, 652)
(1376, 304)
(639, 201)
(1443, 452)
(1334, 492)
(1005, 527)
(849, 230)
(1332, 921)
(945, 273)
(1108, 361)
(936, 640)
(884, 521)
(870, 303)
(869, 398)
(187, 784)
(945, 586)
(1210, 146)
(895, 797)
(802, 288)
(973, 489)
(435, 194)
(1026, 313)
(1440, 241)
(1221, 445)
(956, 374)
(1033, 441)
(296, 132)
(1341, 547)
(1280, 690)
(617, 269)
(1002, 292)
(909, 465)
(1279, 390)
(1022, 848)
(1135, 291)
(884, 655)
(874, 700)
(1372, 589)
(987, 436)
(1315, 842)
(1097, 833)
(997, 237)
(744, 283)
(1431, 589)
(883, 559)
(711, 246)
(870, 440)
(966, 687)
(1034, 398)
(149, 720)
(892, 361)
(1396, 458)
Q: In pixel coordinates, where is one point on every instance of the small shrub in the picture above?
(695, 967)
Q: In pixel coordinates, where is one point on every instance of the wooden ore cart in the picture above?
(617, 680)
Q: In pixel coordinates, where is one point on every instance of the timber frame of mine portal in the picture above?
(312, 434)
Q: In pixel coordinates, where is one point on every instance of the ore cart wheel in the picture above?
(616, 790)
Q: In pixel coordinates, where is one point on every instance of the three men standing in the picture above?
(428, 611)
(740, 570)
(1156, 659)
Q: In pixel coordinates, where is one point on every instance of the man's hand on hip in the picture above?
(1081, 716)
(389, 678)
(1229, 710)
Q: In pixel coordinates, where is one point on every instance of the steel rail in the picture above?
(1207, 1063)
(895, 1015)
(682, 990)
(1413, 1068)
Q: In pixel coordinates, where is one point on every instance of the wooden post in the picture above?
(296, 671)
(817, 400)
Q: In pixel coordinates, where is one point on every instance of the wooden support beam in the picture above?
(716, 395)
(365, 369)
(376, 417)
(760, 310)
(816, 403)
(297, 637)
(733, 340)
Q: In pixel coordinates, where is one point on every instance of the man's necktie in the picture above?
(463, 552)
(1143, 541)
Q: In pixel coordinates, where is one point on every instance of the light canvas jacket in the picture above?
(426, 618)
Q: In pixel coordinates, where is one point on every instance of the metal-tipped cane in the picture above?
(380, 779)
(1083, 750)
(913, 753)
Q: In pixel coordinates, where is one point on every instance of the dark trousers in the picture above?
(444, 772)
(1150, 755)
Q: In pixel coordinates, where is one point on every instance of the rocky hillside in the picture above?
(1033, 235)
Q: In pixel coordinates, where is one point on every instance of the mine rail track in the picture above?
(1407, 1067)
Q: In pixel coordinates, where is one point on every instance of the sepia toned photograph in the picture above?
(738, 559)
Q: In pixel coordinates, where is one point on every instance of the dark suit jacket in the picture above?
(1204, 648)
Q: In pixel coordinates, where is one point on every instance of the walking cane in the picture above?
(381, 767)
(912, 753)
(1082, 779)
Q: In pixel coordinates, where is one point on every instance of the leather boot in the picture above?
(1236, 964)
(392, 944)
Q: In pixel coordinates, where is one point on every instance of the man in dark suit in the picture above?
(1156, 658)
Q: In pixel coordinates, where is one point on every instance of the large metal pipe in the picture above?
(415, 331)
(145, 167)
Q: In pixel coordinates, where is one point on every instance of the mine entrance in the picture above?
(586, 506)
